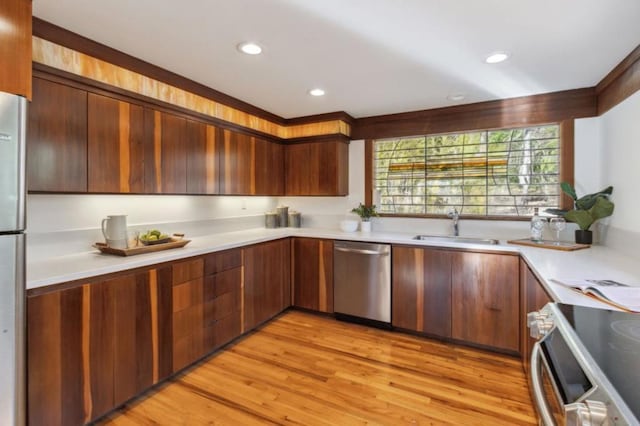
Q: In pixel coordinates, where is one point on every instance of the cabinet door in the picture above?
(115, 144)
(266, 275)
(312, 276)
(237, 171)
(202, 158)
(188, 312)
(317, 168)
(165, 164)
(485, 299)
(250, 165)
(55, 364)
(94, 346)
(15, 47)
(57, 138)
(269, 168)
(421, 290)
(534, 298)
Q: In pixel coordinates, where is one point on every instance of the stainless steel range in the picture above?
(585, 368)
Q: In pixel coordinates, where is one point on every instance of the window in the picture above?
(506, 172)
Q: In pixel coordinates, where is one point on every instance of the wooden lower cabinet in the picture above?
(421, 290)
(534, 297)
(485, 299)
(96, 345)
(267, 286)
(222, 297)
(312, 274)
(466, 296)
(188, 312)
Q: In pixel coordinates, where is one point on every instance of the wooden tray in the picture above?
(174, 243)
(563, 246)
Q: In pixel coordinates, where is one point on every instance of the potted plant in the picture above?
(365, 213)
(587, 209)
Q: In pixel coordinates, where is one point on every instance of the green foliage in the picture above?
(588, 208)
(528, 177)
(365, 212)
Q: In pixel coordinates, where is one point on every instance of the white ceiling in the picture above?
(371, 56)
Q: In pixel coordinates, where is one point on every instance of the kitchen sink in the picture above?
(445, 238)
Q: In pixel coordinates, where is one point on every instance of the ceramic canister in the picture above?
(283, 216)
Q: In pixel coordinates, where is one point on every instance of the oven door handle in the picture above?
(536, 381)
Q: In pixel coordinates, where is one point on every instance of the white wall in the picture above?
(52, 213)
(607, 152)
(620, 159)
(588, 152)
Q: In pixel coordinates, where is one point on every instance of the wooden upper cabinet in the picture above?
(269, 168)
(421, 290)
(485, 299)
(115, 146)
(250, 166)
(317, 168)
(165, 161)
(57, 138)
(202, 158)
(15, 47)
(312, 274)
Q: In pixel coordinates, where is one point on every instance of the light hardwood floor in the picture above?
(311, 370)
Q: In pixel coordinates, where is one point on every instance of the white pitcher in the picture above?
(114, 229)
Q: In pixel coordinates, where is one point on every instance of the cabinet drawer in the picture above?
(187, 271)
(222, 283)
(222, 261)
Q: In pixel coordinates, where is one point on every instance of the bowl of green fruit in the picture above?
(154, 237)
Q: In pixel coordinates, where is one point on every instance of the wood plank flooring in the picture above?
(312, 370)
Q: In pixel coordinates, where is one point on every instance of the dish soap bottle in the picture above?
(537, 226)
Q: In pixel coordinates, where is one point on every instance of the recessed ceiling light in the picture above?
(456, 97)
(497, 57)
(316, 92)
(250, 48)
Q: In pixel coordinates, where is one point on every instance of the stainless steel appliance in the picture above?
(362, 281)
(12, 259)
(585, 367)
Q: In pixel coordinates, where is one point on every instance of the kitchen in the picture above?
(77, 177)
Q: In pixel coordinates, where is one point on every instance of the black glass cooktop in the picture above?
(613, 341)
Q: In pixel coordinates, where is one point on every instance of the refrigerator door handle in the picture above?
(21, 201)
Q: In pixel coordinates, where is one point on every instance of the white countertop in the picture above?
(596, 262)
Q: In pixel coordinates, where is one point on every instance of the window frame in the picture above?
(567, 149)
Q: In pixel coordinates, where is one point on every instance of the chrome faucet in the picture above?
(454, 215)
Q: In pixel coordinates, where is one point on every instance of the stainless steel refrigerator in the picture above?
(12, 260)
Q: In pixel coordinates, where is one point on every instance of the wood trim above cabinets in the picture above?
(622, 82)
(514, 112)
(63, 50)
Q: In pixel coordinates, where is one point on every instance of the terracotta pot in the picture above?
(584, 237)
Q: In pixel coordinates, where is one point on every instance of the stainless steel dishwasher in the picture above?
(362, 281)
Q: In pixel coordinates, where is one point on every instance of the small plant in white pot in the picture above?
(365, 213)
